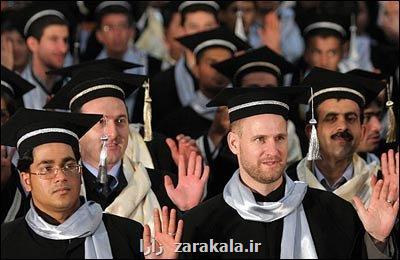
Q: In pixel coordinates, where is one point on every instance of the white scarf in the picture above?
(137, 149)
(137, 200)
(198, 104)
(296, 241)
(184, 82)
(358, 185)
(85, 222)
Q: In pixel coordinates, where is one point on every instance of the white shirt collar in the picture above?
(114, 170)
(347, 175)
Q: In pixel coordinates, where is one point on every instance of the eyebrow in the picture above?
(64, 160)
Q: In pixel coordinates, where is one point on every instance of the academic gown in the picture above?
(18, 240)
(185, 121)
(8, 195)
(157, 186)
(334, 225)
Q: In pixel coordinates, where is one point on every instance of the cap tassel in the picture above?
(313, 149)
(239, 26)
(391, 133)
(148, 132)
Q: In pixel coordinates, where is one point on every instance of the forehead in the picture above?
(265, 124)
(339, 106)
(52, 151)
(105, 105)
(114, 18)
(322, 42)
(56, 29)
(216, 53)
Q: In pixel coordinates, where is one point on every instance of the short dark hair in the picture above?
(37, 28)
(323, 33)
(26, 159)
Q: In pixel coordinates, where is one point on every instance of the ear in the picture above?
(196, 69)
(32, 43)
(100, 36)
(233, 142)
(26, 181)
(363, 131)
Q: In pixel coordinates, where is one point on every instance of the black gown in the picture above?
(334, 225)
(18, 240)
(157, 186)
(8, 194)
(184, 121)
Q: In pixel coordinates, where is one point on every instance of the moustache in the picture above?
(344, 135)
(64, 187)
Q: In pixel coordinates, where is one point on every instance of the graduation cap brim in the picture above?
(251, 101)
(367, 74)
(32, 122)
(12, 80)
(218, 37)
(88, 85)
(108, 64)
(261, 59)
(327, 84)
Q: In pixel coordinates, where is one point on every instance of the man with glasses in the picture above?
(59, 224)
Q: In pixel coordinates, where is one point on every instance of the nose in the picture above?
(111, 130)
(271, 148)
(63, 46)
(341, 124)
(59, 175)
(324, 60)
(375, 124)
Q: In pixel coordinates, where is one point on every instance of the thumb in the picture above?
(361, 210)
(169, 185)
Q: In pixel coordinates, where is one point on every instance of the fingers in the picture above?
(179, 231)
(361, 210)
(181, 166)
(191, 163)
(157, 221)
(199, 166)
(169, 185)
(146, 236)
(206, 173)
(165, 219)
(172, 222)
(391, 162)
(384, 165)
(376, 191)
(383, 195)
(172, 146)
(397, 165)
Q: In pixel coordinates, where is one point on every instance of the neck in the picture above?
(260, 188)
(39, 70)
(116, 55)
(333, 168)
(57, 217)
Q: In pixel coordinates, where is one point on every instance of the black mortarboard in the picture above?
(38, 11)
(219, 37)
(186, 6)
(367, 74)
(322, 23)
(14, 84)
(29, 128)
(261, 59)
(104, 5)
(89, 84)
(107, 64)
(246, 102)
(327, 84)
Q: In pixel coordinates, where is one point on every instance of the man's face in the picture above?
(199, 21)
(323, 52)
(372, 124)
(53, 46)
(20, 50)
(259, 78)
(261, 146)
(114, 124)
(248, 11)
(338, 128)
(209, 78)
(61, 193)
(114, 33)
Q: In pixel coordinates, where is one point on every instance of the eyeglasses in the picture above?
(114, 27)
(50, 172)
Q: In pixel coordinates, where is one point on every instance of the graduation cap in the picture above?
(29, 128)
(323, 23)
(104, 5)
(89, 84)
(219, 37)
(246, 102)
(262, 59)
(36, 12)
(187, 6)
(107, 64)
(14, 84)
(367, 74)
(327, 84)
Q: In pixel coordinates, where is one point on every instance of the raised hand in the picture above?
(270, 33)
(185, 146)
(7, 56)
(166, 236)
(192, 179)
(380, 216)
